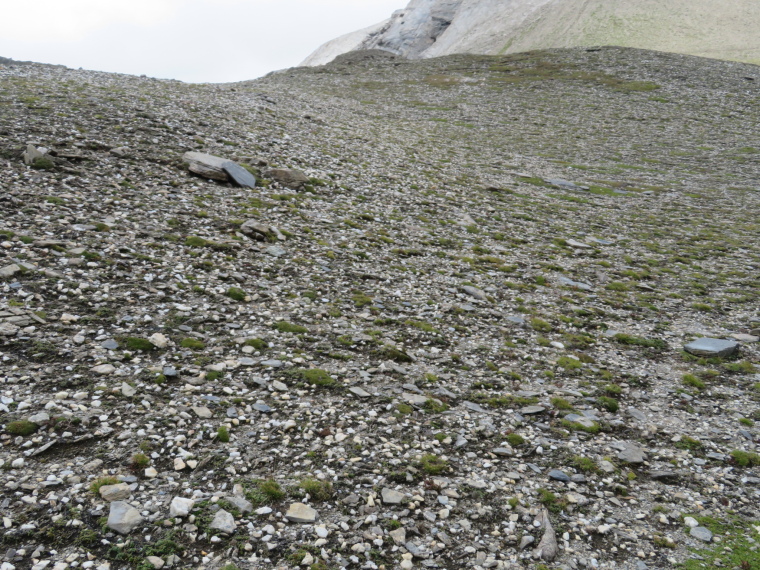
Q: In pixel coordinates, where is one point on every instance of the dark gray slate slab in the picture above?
(239, 175)
(712, 347)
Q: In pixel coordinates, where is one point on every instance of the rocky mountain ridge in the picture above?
(476, 312)
(433, 28)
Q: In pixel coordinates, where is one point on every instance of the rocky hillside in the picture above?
(477, 312)
(432, 28)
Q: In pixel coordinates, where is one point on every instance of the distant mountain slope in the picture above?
(431, 28)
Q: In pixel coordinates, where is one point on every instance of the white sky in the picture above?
(190, 40)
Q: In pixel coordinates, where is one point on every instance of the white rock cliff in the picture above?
(431, 28)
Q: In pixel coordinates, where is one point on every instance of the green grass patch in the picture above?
(631, 340)
(21, 427)
(746, 458)
(313, 376)
(236, 294)
(738, 546)
(192, 343)
(319, 491)
(136, 343)
(432, 464)
(286, 327)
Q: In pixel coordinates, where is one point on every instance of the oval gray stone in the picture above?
(712, 347)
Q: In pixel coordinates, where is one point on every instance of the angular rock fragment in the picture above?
(547, 548)
(181, 507)
(223, 522)
(300, 513)
(123, 517)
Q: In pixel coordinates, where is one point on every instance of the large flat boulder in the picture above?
(206, 165)
(712, 347)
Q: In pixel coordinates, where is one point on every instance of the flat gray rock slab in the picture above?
(202, 412)
(9, 271)
(356, 391)
(206, 165)
(415, 399)
(223, 522)
(111, 493)
(241, 504)
(300, 513)
(276, 251)
(123, 517)
(558, 475)
(701, 533)
(632, 454)
(392, 497)
(475, 293)
(239, 175)
(530, 410)
(578, 244)
(712, 347)
(575, 284)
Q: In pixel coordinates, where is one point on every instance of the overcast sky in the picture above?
(190, 40)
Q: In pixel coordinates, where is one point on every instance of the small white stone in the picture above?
(158, 340)
(181, 507)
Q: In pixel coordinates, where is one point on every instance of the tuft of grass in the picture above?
(262, 491)
(102, 482)
(286, 327)
(361, 300)
(404, 409)
(395, 354)
(236, 294)
(746, 458)
(612, 390)
(21, 427)
(584, 464)
(540, 325)
(628, 339)
(618, 286)
(432, 464)
(515, 439)
(223, 434)
(693, 381)
(434, 406)
(314, 376)
(257, 343)
(195, 241)
(743, 367)
(139, 461)
(689, 444)
(318, 490)
(551, 501)
(137, 343)
(575, 426)
(43, 163)
(609, 404)
(214, 375)
(192, 343)
(568, 363)
(561, 403)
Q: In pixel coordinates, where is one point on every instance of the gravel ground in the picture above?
(447, 329)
